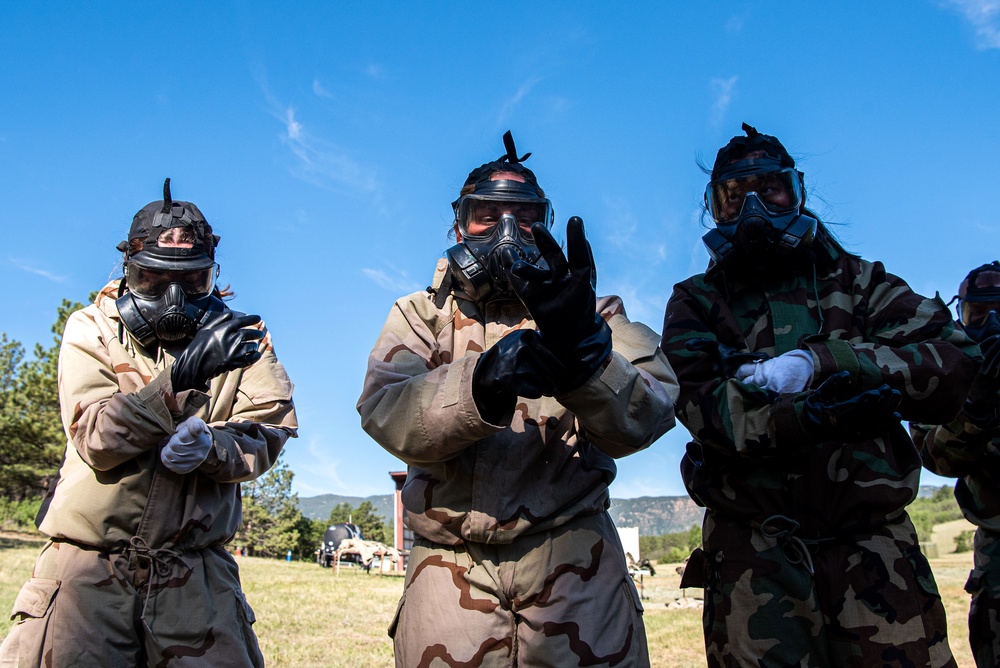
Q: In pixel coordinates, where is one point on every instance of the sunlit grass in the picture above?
(308, 617)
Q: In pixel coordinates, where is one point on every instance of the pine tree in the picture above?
(32, 441)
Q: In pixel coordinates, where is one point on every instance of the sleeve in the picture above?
(955, 449)
(629, 403)
(911, 344)
(718, 411)
(247, 443)
(417, 401)
(105, 425)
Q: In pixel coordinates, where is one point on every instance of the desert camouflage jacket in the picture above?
(751, 457)
(476, 481)
(959, 449)
(118, 409)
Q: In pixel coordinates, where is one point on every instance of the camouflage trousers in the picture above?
(556, 598)
(984, 585)
(772, 599)
(88, 608)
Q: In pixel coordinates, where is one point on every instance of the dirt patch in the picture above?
(12, 539)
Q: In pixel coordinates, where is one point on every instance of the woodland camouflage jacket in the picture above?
(472, 480)
(750, 457)
(961, 450)
(118, 409)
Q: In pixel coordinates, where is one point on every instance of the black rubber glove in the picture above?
(726, 358)
(560, 298)
(221, 345)
(835, 412)
(518, 365)
(982, 406)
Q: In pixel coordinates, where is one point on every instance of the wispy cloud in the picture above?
(320, 90)
(318, 160)
(322, 475)
(722, 89)
(511, 104)
(984, 16)
(394, 280)
(23, 265)
(374, 71)
(735, 24)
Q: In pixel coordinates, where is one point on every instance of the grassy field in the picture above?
(309, 617)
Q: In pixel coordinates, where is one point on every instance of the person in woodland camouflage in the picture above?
(968, 448)
(796, 360)
(169, 401)
(509, 389)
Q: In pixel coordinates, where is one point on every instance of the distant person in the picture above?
(169, 400)
(968, 448)
(793, 358)
(509, 389)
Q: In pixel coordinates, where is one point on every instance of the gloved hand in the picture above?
(562, 302)
(727, 359)
(835, 412)
(982, 406)
(188, 447)
(518, 365)
(787, 373)
(221, 345)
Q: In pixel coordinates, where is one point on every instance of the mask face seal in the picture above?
(979, 302)
(169, 288)
(757, 213)
(170, 314)
(495, 227)
(480, 263)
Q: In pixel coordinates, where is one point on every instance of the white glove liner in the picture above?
(791, 372)
(188, 447)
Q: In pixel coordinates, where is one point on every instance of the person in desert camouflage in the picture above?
(509, 389)
(169, 401)
(968, 448)
(796, 360)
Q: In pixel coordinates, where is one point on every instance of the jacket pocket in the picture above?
(395, 618)
(32, 613)
(247, 619)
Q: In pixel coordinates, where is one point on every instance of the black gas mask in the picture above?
(494, 221)
(167, 292)
(757, 209)
(167, 305)
(979, 302)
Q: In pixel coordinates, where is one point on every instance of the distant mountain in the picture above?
(927, 491)
(654, 515)
(319, 507)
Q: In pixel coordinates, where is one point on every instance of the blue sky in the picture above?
(325, 141)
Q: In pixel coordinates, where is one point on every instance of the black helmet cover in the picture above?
(142, 244)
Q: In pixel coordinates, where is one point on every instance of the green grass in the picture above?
(308, 617)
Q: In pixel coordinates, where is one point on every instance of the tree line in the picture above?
(32, 445)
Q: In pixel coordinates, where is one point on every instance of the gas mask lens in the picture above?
(779, 192)
(151, 283)
(478, 216)
(975, 313)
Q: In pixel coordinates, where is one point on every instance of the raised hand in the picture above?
(223, 344)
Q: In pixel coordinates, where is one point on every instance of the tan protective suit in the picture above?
(517, 561)
(135, 572)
